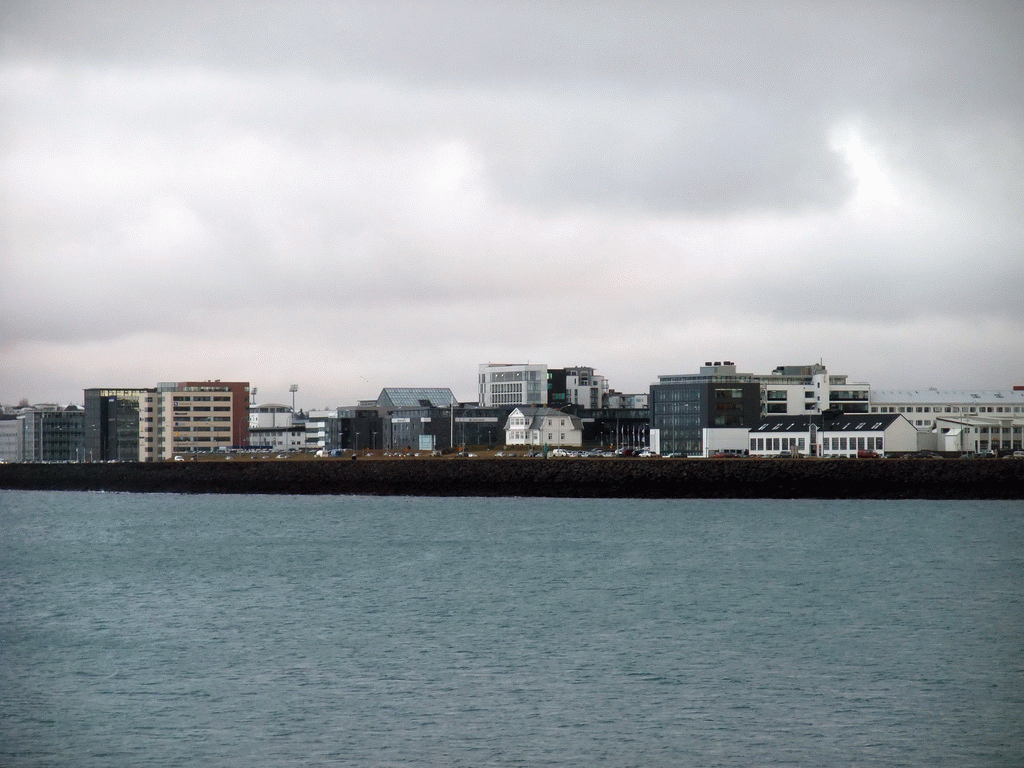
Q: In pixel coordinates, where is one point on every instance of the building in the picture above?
(395, 398)
(840, 435)
(970, 433)
(52, 433)
(543, 427)
(501, 384)
(193, 416)
(683, 406)
(925, 407)
(361, 427)
(12, 438)
(284, 438)
(801, 389)
(269, 415)
(512, 384)
(112, 424)
(324, 431)
(619, 400)
(432, 419)
(578, 386)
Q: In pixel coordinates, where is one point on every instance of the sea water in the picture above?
(192, 630)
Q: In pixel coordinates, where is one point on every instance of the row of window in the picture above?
(947, 409)
(776, 443)
(503, 388)
(852, 444)
(828, 443)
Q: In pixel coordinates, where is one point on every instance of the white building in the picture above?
(502, 384)
(543, 427)
(582, 387)
(998, 433)
(724, 440)
(839, 436)
(512, 384)
(290, 438)
(924, 407)
(803, 389)
(269, 415)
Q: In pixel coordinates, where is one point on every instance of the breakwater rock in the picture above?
(580, 478)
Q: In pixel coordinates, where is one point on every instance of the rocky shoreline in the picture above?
(578, 478)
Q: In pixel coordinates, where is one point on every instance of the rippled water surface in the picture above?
(167, 630)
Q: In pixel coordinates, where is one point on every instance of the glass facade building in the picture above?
(682, 410)
(112, 424)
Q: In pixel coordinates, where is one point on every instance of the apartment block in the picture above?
(193, 417)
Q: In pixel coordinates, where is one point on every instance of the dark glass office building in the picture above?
(112, 424)
(681, 407)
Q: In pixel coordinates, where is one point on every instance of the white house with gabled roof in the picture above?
(528, 425)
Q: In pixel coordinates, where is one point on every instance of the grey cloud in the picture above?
(663, 108)
(272, 177)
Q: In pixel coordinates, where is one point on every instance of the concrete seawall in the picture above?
(582, 478)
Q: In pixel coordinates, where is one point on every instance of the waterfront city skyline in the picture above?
(354, 196)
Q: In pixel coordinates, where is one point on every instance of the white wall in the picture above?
(725, 439)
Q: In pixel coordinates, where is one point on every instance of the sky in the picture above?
(349, 196)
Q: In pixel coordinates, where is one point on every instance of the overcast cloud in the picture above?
(349, 196)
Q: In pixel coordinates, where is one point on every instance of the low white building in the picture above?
(290, 438)
(924, 407)
(270, 415)
(839, 436)
(979, 434)
(725, 440)
(543, 427)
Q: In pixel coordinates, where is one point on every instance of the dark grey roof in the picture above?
(850, 422)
